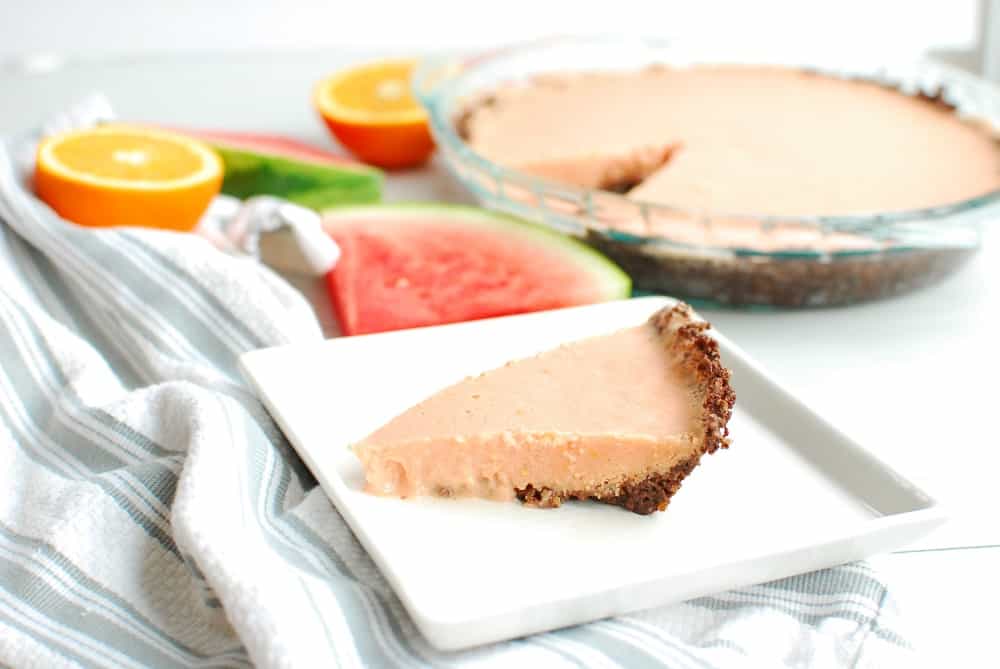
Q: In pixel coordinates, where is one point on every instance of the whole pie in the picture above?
(733, 139)
(621, 418)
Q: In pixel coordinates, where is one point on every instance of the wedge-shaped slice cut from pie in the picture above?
(621, 418)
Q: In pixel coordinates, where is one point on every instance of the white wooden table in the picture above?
(915, 378)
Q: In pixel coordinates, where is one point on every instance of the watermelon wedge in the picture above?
(259, 164)
(412, 265)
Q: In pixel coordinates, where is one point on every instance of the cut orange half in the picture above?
(123, 175)
(371, 110)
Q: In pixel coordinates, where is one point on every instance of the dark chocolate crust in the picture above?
(640, 495)
(786, 281)
(698, 354)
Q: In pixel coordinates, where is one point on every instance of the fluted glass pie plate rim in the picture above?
(442, 84)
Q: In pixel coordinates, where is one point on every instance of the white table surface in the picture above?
(913, 378)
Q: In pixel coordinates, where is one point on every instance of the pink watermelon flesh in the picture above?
(270, 144)
(412, 266)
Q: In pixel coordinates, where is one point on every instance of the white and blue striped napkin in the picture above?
(154, 516)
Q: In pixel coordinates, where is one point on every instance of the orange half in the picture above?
(371, 110)
(122, 175)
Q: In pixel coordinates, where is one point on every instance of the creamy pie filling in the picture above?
(740, 139)
(583, 417)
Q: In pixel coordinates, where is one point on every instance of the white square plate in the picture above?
(791, 495)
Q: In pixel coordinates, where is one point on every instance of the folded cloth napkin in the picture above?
(153, 515)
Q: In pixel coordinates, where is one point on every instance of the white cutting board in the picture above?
(791, 495)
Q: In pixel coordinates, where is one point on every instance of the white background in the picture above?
(102, 27)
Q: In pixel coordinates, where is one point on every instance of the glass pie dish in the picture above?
(735, 259)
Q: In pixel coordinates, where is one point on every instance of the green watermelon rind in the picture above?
(306, 183)
(614, 282)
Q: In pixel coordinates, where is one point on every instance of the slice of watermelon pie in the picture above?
(621, 418)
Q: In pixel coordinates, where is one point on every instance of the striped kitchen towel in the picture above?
(153, 515)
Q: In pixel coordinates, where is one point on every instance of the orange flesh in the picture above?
(382, 88)
(371, 110)
(120, 176)
(127, 157)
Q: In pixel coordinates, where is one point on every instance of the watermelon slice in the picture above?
(411, 265)
(272, 165)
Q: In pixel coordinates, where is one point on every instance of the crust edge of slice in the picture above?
(698, 355)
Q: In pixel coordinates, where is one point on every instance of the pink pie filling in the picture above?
(740, 140)
(591, 412)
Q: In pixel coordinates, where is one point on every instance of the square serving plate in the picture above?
(792, 494)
